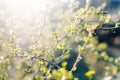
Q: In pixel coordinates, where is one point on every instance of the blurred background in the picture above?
(33, 18)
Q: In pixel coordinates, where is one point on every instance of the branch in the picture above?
(88, 2)
(50, 68)
(102, 6)
(78, 58)
(44, 59)
(64, 36)
(109, 28)
(50, 62)
(35, 73)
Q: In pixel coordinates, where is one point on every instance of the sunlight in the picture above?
(28, 4)
(24, 14)
(27, 7)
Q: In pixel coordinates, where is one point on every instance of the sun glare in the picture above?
(28, 4)
(24, 14)
(22, 7)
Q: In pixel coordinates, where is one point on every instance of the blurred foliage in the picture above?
(50, 56)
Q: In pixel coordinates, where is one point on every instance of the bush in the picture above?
(51, 61)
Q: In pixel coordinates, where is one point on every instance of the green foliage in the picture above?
(117, 25)
(43, 62)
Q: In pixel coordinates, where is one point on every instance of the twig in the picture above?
(50, 62)
(110, 28)
(50, 68)
(35, 73)
(41, 58)
(39, 36)
(78, 58)
(102, 6)
(88, 2)
(66, 34)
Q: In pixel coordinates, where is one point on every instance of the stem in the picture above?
(50, 68)
(44, 59)
(78, 58)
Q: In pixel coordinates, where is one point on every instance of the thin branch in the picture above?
(110, 28)
(78, 58)
(102, 6)
(88, 2)
(41, 58)
(50, 62)
(50, 68)
(65, 35)
(39, 36)
(35, 73)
